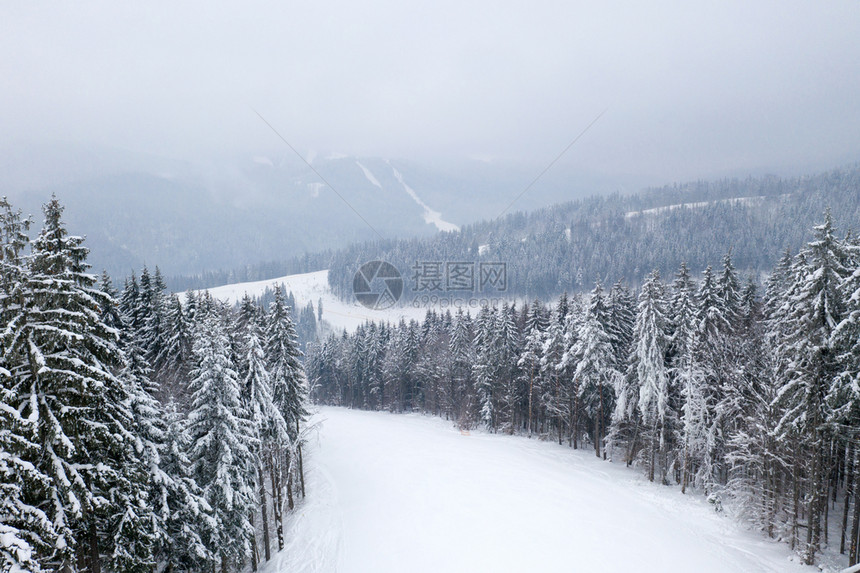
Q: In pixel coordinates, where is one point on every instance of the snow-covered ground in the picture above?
(313, 287)
(344, 315)
(396, 493)
(697, 205)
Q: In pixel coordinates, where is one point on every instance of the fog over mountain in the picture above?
(125, 110)
(190, 216)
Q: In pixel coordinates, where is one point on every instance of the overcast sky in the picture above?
(690, 89)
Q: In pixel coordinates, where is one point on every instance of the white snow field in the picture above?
(410, 493)
(312, 287)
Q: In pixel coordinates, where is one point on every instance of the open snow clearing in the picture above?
(396, 493)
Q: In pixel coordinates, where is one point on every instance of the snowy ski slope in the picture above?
(397, 493)
(313, 287)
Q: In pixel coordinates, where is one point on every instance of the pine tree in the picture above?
(26, 533)
(650, 345)
(220, 453)
(816, 308)
(485, 366)
(713, 353)
(187, 513)
(555, 394)
(283, 359)
(270, 430)
(688, 375)
(529, 361)
(289, 393)
(507, 349)
(174, 361)
(64, 365)
(595, 369)
(462, 357)
(622, 315)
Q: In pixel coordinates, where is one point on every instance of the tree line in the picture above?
(566, 247)
(750, 397)
(139, 433)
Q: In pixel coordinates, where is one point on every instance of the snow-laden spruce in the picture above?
(112, 456)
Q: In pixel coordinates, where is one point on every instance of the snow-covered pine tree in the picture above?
(622, 316)
(431, 367)
(374, 347)
(65, 359)
(111, 315)
(555, 395)
(595, 368)
(567, 368)
(508, 343)
(128, 304)
(688, 375)
(844, 396)
(529, 361)
(153, 337)
(712, 353)
(221, 443)
(283, 358)
(266, 421)
(753, 454)
(289, 392)
(650, 344)
(26, 533)
(174, 361)
(485, 366)
(815, 309)
(186, 511)
(462, 357)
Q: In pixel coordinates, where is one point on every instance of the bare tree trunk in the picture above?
(278, 502)
(254, 556)
(631, 448)
(684, 464)
(849, 493)
(264, 505)
(95, 561)
(795, 499)
(599, 423)
(301, 472)
(301, 463)
(290, 502)
(653, 452)
(855, 530)
(531, 390)
(813, 519)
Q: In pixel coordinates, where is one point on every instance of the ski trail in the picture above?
(368, 175)
(314, 531)
(430, 216)
(392, 493)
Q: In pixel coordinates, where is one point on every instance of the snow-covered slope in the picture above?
(313, 287)
(395, 493)
(696, 205)
(430, 216)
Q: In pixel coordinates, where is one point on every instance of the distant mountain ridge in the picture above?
(190, 218)
(570, 246)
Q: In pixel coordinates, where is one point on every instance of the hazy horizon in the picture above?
(688, 91)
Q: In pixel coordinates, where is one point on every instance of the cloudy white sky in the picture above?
(691, 89)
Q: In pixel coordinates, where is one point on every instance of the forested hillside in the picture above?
(750, 397)
(138, 434)
(568, 246)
